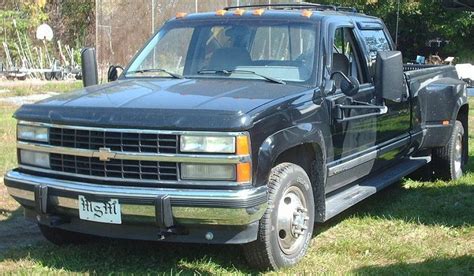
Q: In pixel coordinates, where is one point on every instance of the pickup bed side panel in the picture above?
(437, 95)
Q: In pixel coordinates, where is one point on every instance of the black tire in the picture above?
(48, 75)
(62, 237)
(268, 251)
(58, 75)
(449, 161)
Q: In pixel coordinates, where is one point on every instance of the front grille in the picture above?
(124, 169)
(116, 141)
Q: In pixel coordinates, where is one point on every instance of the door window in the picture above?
(345, 56)
(375, 40)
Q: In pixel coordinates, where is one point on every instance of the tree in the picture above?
(421, 21)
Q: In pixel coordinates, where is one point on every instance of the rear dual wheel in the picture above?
(286, 228)
(449, 161)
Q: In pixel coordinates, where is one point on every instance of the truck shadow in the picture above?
(15, 231)
(106, 256)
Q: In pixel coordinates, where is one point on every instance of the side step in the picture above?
(342, 200)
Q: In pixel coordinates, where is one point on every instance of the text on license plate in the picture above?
(105, 211)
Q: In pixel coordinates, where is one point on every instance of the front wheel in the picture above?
(286, 228)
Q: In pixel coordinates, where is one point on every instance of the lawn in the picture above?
(411, 227)
(30, 87)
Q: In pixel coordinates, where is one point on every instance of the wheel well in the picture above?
(302, 155)
(311, 158)
(463, 115)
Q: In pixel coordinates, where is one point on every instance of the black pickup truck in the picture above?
(243, 126)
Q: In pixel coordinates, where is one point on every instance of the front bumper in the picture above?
(141, 207)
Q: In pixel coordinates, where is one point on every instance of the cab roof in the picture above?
(304, 11)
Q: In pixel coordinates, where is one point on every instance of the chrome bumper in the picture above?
(188, 206)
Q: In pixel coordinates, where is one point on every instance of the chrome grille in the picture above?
(124, 169)
(116, 141)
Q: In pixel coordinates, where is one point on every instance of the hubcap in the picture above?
(458, 156)
(292, 220)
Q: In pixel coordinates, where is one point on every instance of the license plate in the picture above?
(105, 211)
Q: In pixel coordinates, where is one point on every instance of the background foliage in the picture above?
(73, 23)
(421, 21)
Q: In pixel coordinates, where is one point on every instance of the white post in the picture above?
(152, 17)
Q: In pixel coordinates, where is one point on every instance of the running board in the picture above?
(344, 199)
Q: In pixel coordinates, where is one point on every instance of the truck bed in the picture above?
(422, 72)
(416, 67)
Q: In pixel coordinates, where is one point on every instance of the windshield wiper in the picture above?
(174, 75)
(229, 72)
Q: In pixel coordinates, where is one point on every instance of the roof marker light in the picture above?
(220, 12)
(181, 14)
(258, 12)
(239, 12)
(306, 13)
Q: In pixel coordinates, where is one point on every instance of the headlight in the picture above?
(214, 144)
(33, 133)
(39, 159)
(207, 172)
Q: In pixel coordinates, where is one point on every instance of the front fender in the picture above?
(279, 142)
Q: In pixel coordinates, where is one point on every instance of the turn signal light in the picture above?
(244, 173)
(242, 145)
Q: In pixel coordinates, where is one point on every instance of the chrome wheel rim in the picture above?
(458, 155)
(292, 220)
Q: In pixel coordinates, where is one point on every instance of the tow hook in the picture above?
(164, 233)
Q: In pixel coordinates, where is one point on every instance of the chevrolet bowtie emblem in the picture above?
(104, 154)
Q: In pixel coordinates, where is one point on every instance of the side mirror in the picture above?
(89, 67)
(113, 74)
(389, 79)
(349, 85)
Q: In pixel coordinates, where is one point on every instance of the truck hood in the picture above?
(205, 104)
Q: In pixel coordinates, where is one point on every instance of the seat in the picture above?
(229, 59)
(339, 63)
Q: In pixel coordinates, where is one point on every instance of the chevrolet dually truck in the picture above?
(243, 126)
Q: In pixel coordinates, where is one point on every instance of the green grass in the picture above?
(29, 88)
(7, 138)
(410, 228)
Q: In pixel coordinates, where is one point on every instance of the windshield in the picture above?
(278, 51)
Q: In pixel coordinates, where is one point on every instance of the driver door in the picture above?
(351, 139)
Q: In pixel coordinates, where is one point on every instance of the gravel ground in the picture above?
(21, 100)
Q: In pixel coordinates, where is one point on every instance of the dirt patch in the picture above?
(21, 100)
(31, 82)
(15, 231)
